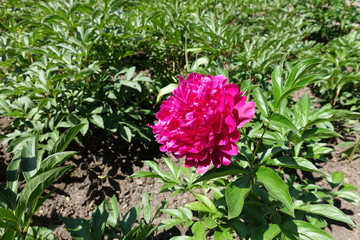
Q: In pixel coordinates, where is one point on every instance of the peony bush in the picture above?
(252, 192)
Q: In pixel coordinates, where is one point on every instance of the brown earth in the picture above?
(102, 170)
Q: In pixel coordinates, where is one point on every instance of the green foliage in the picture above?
(17, 208)
(106, 221)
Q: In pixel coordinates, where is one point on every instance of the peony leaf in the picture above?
(328, 211)
(65, 139)
(297, 229)
(276, 187)
(166, 90)
(36, 186)
(232, 169)
(235, 194)
(299, 69)
(293, 162)
(277, 84)
(282, 121)
(261, 101)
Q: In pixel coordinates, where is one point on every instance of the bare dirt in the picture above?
(102, 170)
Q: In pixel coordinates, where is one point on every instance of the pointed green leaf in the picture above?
(65, 139)
(97, 120)
(297, 229)
(146, 208)
(98, 222)
(328, 211)
(36, 186)
(276, 80)
(7, 219)
(114, 212)
(198, 230)
(54, 160)
(261, 101)
(166, 90)
(276, 187)
(206, 201)
(30, 162)
(299, 69)
(293, 162)
(79, 228)
(282, 121)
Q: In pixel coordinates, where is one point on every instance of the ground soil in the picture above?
(102, 170)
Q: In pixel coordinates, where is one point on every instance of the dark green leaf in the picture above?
(267, 232)
(235, 194)
(98, 222)
(79, 228)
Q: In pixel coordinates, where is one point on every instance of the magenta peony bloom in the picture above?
(200, 120)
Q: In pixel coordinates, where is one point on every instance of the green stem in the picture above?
(258, 144)
(354, 149)
(27, 224)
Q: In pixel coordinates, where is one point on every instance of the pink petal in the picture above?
(231, 89)
(230, 123)
(245, 113)
(229, 148)
(234, 136)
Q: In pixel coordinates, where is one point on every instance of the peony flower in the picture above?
(200, 121)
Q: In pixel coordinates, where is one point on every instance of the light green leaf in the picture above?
(299, 69)
(276, 187)
(297, 229)
(125, 133)
(114, 212)
(282, 121)
(276, 80)
(146, 208)
(36, 186)
(206, 201)
(65, 139)
(261, 102)
(97, 120)
(328, 211)
(198, 230)
(197, 206)
(166, 90)
(293, 162)
(54, 160)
